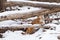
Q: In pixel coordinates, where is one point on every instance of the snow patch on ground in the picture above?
(39, 35)
(17, 36)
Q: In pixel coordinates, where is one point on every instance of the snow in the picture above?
(50, 24)
(32, 18)
(53, 3)
(7, 22)
(22, 10)
(54, 21)
(49, 37)
(16, 35)
(38, 35)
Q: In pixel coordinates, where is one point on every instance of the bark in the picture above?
(33, 3)
(2, 5)
(19, 15)
(28, 14)
(15, 28)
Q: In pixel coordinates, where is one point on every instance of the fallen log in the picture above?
(29, 28)
(33, 3)
(18, 15)
(10, 16)
(17, 27)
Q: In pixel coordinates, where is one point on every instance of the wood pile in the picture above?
(18, 15)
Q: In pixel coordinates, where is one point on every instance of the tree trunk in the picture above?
(2, 5)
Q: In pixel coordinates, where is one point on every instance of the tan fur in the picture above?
(30, 30)
(38, 20)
